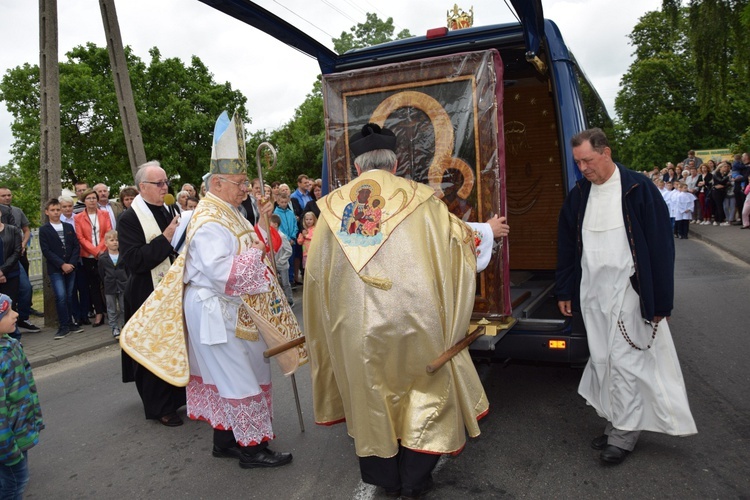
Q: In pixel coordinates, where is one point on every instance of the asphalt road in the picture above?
(534, 442)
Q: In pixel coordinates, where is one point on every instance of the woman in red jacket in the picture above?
(91, 226)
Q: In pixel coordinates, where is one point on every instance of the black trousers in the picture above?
(225, 439)
(718, 195)
(682, 227)
(91, 268)
(159, 397)
(408, 469)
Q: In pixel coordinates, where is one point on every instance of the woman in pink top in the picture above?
(305, 236)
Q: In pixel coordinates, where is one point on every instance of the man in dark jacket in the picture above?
(10, 251)
(615, 265)
(145, 232)
(61, 249)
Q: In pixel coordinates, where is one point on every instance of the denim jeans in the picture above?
(62, 286)
(24, 295)
(115, 310)
(13, 479)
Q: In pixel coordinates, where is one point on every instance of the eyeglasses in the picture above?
(245, 184)
(159, 184)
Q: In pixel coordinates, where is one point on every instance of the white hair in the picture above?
(141, 172)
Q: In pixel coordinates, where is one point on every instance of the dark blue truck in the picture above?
(484, 115)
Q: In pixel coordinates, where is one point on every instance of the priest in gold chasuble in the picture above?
(390, 286)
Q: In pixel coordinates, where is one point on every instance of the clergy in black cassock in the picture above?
(141, 256)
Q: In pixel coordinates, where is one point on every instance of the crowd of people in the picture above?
(718, 191)
(81, 249)
(296, 226)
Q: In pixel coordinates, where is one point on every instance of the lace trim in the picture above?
(248, 274)
(249, 418)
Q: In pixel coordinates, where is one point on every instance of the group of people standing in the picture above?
(720, 189)
(222, 284)
(234, 309)
(217, 287)
(80, 243)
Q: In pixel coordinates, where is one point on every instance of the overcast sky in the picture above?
(275, 78)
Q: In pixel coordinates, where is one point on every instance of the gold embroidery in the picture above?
(382, 283)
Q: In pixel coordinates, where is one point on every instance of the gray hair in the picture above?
(207, 179)
(65, 199)
(182, 193)
(141, 172)
(596, 137)
(383, 159)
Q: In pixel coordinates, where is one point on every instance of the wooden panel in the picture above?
(534, 186)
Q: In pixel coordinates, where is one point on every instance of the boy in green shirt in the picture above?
(20, 414)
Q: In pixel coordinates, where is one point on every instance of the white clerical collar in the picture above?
(604, 208)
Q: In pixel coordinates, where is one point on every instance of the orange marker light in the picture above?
(557, 344)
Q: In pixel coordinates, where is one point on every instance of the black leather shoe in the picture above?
(613, 455)
(264, 458)
(600, 442)
(85, 321)
(417, 492)
(233, 452)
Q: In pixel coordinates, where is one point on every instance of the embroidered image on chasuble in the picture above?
(375, 317)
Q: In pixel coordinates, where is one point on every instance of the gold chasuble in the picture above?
(389, 286)
(155, 335)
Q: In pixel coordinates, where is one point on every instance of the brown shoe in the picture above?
(171, 420)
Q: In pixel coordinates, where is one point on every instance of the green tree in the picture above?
(687, 87)
(709, 29)
(373, 31)
(177, 107)
(300, 141)
(657, 94)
